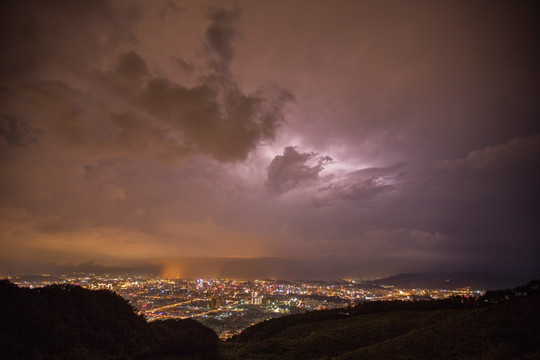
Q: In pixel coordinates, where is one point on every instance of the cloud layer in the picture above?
(311, 139)
(293, 168)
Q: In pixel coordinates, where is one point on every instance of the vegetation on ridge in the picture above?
(69, 322)
(502, 324)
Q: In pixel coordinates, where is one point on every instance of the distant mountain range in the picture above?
(444, 281)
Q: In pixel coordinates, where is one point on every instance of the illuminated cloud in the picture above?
(294, 168)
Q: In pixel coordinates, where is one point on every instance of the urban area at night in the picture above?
(228, 306)
(269, 180)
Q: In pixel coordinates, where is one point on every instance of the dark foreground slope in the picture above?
(69, 322)
(500, 325)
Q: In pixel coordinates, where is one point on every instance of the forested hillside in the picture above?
(69, 322)
(502, 324)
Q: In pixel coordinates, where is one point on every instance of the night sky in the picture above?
(283, 139)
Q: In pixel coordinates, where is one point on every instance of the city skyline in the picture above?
(229, 306)
(285, 140)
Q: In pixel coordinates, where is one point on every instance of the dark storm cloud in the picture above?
(147, 114)
(184, 65)
(214, 117)
(38, 38)
(219, 37)
(293, 168)
(514, 151)
(131, 68)
(16, 133)
(218, 121)
(136, 135)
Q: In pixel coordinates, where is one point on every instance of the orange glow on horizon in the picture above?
(173, 270)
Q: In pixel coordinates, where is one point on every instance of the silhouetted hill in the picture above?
(69, 322)
(444, 281)
(503, 324)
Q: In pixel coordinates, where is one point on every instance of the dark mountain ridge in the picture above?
(69, 322)
(447, 281)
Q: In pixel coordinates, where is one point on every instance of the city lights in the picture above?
(228, 306)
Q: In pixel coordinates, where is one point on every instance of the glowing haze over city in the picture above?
(269, 139)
